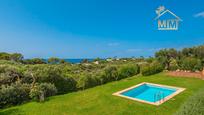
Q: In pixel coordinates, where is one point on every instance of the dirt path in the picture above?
(186, 74)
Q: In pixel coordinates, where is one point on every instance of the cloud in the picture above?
(201, 14)
(113, 44)
(133, 50)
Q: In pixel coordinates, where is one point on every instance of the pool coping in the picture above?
(179, 90)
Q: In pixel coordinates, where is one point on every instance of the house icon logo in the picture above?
(166, 20)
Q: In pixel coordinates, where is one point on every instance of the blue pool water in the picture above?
(150, 93)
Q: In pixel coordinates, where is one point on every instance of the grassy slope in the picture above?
(99, 100)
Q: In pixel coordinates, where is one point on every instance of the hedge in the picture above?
(152, 69)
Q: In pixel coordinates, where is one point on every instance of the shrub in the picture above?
(6, 79)
(34, 61)
(13, 57)
(101, 78)
(52, 74)
(86, 81)
(9, 74)
(151, 69)
(111, 73)
(191, 64)
(63, 84)
(40, 91)
(194, 105)
(14, 94)
(53, 60)
(173, 65)
(128, 71)
(2, 62)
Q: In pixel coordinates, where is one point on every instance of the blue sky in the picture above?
(95, 28)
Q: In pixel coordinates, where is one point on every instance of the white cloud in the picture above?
(113, 44)
(201, 14)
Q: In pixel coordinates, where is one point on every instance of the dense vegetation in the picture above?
(191, 59)
(151, 69)
(99, 100)
(22, 80)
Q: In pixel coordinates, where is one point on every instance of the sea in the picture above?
(74, 61)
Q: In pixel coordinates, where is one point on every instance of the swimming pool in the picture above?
(150, 93)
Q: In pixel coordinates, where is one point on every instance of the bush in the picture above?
(51, 74)
(63, 84)
(128, 71)
(53, 60)
(152, 69)
(101, 78)
(173, 65)
(6, 79)
(111, 73)
(14, 57)
(40, 91)
(9, 74)
(194, 105)
(86, 81)
(13, 94)
(34, 61)
(191, 64)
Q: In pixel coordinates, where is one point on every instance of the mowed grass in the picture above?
(100, 101)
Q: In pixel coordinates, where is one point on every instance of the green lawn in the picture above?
(99, 100)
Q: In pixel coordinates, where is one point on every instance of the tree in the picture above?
(62, 61)
(85, 61)
(192, 64)
(173, 64)
(199, 51)
(16, 57)
(34, 61)
(4, 56)
(164, 56)
(187, 52)
(53, 60)
(97, 59)
(150, 59)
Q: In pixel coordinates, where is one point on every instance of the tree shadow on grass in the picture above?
(14, 111)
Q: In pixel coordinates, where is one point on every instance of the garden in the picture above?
(37, 86)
